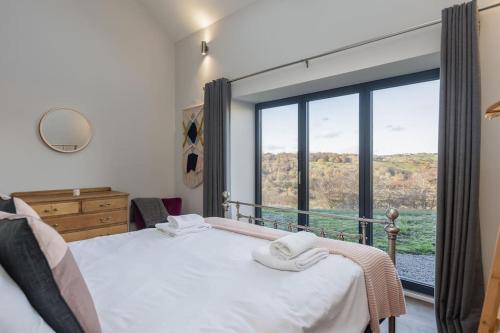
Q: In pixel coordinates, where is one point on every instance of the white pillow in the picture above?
(16, 312)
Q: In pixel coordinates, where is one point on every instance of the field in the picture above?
(417, 235)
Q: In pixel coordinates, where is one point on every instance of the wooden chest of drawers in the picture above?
(96, 212)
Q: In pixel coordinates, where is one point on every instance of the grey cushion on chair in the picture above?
(152, 210)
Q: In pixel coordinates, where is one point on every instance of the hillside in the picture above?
(403, 181)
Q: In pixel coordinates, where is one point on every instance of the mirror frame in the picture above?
(44, 139)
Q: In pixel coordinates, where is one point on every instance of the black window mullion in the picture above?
(303, 161)
(258, 160)
(365, 158)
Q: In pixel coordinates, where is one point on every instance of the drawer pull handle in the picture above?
(105, 204)
(55, 225)
(55, 209)
(46, 211)
(104, 219)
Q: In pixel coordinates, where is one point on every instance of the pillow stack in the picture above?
(38, 259)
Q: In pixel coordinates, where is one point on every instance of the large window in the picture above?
(356, 151)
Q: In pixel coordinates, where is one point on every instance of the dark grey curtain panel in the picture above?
(216, 131)
(459, 289)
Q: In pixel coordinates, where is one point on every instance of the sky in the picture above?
(405, 120)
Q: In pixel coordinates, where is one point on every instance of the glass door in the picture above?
(334, 162)
(405, 142)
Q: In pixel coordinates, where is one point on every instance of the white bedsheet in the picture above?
(146, 281)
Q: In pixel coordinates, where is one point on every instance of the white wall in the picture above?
(110, 60)
(489, 197)
(242, 164)
(273, 32)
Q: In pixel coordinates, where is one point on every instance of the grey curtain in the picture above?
(216, 131)
(459, 289)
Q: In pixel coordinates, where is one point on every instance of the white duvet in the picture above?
(146, 281)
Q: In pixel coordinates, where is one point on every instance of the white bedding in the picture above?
(146, 281)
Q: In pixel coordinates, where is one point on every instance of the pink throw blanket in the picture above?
(383, 286)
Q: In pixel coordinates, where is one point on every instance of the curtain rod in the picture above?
(352, 46)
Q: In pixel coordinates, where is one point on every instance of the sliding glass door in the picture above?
(405, 142)
(357, 151)
(334, 161)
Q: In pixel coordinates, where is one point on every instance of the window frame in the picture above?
(365, 93)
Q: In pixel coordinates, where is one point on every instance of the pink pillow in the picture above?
(22, 208)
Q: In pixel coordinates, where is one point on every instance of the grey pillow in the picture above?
(7, 205)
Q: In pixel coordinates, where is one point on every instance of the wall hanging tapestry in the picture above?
(192, 146)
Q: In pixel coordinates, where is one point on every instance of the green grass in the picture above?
(417, 235)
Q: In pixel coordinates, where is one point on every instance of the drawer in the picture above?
(56, 209)
(104, 204)
(91, 233)
(66, 223)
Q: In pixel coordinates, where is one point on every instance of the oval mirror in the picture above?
(65, 130)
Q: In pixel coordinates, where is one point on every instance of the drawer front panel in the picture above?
(104, 204)
(94, 220)
(56, 209)
(91, 233)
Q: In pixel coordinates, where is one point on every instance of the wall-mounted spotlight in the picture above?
(204, 48)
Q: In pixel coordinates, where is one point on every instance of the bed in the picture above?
(147, 281)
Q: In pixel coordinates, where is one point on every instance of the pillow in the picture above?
(7, 205)
(16, 206)
(16, 312)
(40, 262)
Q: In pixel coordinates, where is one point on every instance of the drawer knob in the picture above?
(46, 211)
(55, 209)
(104, 219)
(55, 225)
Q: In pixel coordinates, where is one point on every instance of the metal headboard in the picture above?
(389, 224)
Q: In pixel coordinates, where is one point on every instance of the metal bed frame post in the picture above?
(392, 234)
(389, 226)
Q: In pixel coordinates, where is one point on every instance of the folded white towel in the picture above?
(292, 245)
(297, 264)
(185, 221)
(173, 232)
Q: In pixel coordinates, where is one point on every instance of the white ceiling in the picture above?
(183, 17)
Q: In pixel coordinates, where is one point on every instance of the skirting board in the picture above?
(419, 296)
